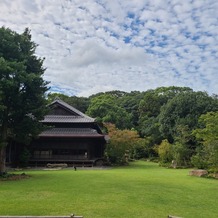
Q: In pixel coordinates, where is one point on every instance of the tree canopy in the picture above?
(22, 89)
(184, 110)
(207, 136)
(105, 108)
(163, 117)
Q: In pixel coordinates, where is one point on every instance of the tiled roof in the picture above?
(66, 119)
(71, 108)
(70, 132)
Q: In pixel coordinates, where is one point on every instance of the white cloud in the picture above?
(92, 46)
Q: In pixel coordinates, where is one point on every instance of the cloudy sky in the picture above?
(95, 46)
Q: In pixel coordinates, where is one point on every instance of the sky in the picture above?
(93, 46)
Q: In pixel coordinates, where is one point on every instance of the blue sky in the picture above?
(101, 45)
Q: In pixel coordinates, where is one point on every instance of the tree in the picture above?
(184, 110)
(143, 148)
(150, 107)
(130, 102)
(165, 152)
(120, 145)
(105, 108)
(184, 145)
(178, 117)
(80, 103)
(207, 135)
(22, 89)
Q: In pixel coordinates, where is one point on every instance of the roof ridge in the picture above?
(73, 109)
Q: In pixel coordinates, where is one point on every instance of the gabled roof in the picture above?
(76, 117)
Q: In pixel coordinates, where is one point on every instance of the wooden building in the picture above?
(70, 137)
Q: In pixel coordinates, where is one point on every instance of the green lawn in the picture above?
(140, 190)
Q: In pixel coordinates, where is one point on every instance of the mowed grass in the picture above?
(142, 189)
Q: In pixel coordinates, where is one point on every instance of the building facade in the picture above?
(70, 137)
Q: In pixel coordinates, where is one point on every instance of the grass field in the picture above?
(140, 190)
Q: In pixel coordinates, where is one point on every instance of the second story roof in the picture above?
(61, 112)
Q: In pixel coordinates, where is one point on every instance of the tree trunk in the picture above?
(3, 142)
(2, 159)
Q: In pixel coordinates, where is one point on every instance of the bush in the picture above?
(181, 154)
(165, 152)
(198, 160)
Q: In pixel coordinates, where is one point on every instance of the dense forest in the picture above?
(171, 124)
